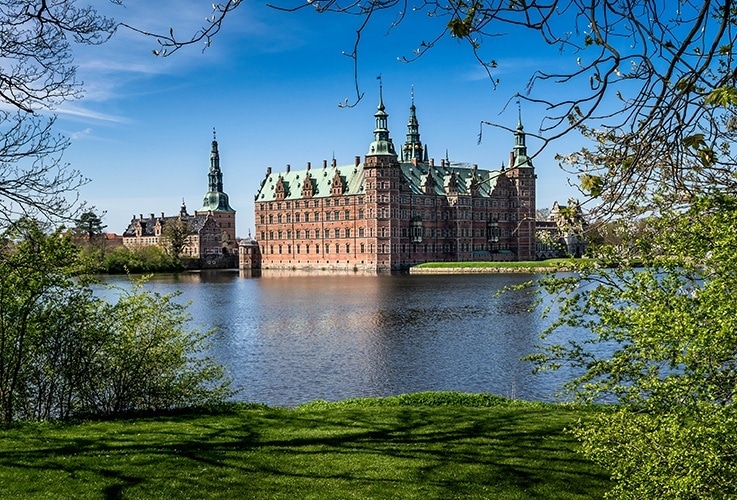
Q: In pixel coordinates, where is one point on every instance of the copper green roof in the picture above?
(352, 178)
(215, 199)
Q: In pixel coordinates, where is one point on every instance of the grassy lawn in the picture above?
(550, 263)
(434, 445)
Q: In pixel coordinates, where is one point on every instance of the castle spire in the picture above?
(520, 148)
(382, 144)
(413, 149)
(215, 198)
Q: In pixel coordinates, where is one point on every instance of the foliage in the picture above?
(89, 225)
(663, 344)
(337, 450)
(174, 237)
(39, 74)
(145, 259)
(151, 360)
(65, 352)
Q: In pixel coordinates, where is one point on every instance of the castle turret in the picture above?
(216, 201)
(413, 150)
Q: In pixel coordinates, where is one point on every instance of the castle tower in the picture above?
(216, 200)
(522, 176)
(413, 151)
(382, 189)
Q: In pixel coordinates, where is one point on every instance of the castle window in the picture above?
(271, 219)
(278, 218)
(360, 213)
(360, 233)
(327, 216)
(263, 235)
(280, 236)
(327, 247)
(289, 218)
(363, 248)
(271, 248)
(307, 248)
(347, 215)
(317, 233)
(297, 248)
(336, 215)
(263, 219)
(347, 248)
(298, 234)
(279, 248)
(289, 234)
(296, 217)
(317, 217)
(271, 235)
(347, 232)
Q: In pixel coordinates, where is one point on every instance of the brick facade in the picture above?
(392, 211)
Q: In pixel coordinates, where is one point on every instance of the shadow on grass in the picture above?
(398, 452)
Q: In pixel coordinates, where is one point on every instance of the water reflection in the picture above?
(289, 338)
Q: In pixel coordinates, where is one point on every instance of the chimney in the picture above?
(432, 162)
(289, 167)
(152, 216)
(358, 160)
(511, 159)
(324, 164)
(268, 171)
(442, 163)
(140, 216)
(475, 167)
(309, 165)
(335, 163)
(162, 215)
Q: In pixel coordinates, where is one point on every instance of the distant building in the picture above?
(562, 233)
(212, 227)
(392, 211)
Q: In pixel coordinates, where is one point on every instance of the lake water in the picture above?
(287, 338)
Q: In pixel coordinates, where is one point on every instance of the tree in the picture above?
(174, 236)
(663, 344)
(89, 225)
(39, 74)
(65, 352)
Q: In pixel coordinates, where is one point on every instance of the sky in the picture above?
(270, 85)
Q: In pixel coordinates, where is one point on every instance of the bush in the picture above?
(64, 352)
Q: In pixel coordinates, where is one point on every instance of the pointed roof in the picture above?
(520, 148)
(382, 144)
(413, 149)
(215, 199)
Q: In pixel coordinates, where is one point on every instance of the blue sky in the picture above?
(270, 85)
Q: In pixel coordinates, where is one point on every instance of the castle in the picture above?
(211, 229)
(395, 210)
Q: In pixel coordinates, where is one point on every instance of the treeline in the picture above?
(121, 260)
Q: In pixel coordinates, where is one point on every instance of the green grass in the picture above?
(428, 446)
(550, 264)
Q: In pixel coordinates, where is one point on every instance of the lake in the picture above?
(288, 338)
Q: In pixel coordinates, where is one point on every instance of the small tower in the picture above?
(381, 150)
(521, 174)
(216, 200)
(413, 151)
